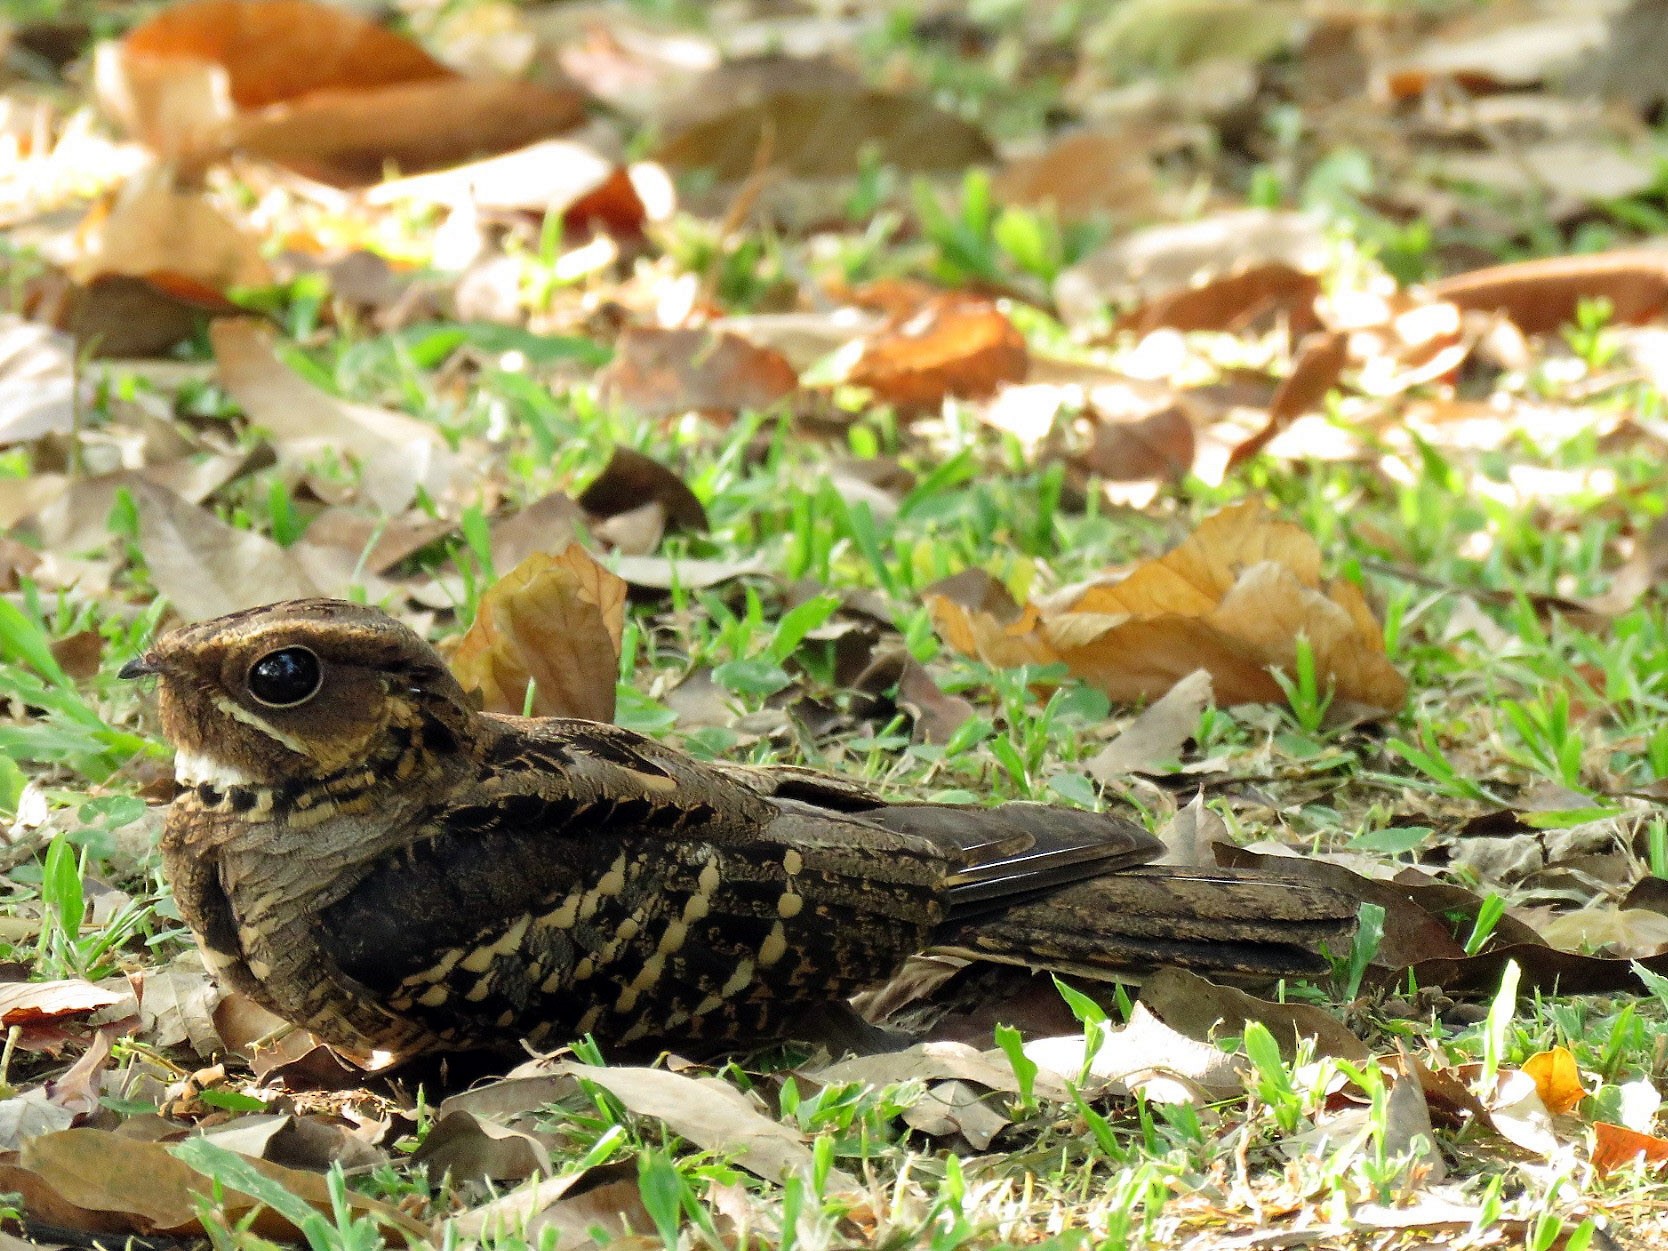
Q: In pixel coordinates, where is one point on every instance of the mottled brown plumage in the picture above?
(369, 857)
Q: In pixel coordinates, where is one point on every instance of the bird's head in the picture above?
(299, 690)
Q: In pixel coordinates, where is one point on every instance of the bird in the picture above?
(362, 852)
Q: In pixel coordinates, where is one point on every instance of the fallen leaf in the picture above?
(1156, 736)
(37, 382)
(713, 1115)
(26, 1004)
(1615, 1146)
(1085, 175)
(91, 1179)
(557, 176)
(1232, 599)
(631, 479)
(311, 86)
(1149, 264)
(352, 138)
(1320, 361)
(1200, 1009)
(661, 373)
(1542, 295)
(207, 568)
(553, 622)
(274, 51)
(470, 1148)
(1157, 447)
(956, 1108)
(936, 713)
(1146, 1055)
(397, 454)
(955, 346)
(1229, 302)
(605, 1198)
(1557, 1079)
(826, 134)
(161, 232)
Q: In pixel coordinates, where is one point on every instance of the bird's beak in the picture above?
(140, 667)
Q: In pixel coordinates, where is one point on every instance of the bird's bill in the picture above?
(140, 667)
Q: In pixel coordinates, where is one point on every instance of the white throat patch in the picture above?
(193, 769)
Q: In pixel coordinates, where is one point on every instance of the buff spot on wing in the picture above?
(563, 916)
(774, 947)
(480, 959)
(739, 981)
(673, 938)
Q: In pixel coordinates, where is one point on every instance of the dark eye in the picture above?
(285, 678)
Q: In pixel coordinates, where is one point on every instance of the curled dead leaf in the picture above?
(552, 622)
(1557, 1079)
(1542, 295)
(1233, 599)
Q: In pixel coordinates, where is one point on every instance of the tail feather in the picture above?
(1017, 850)
(1229, 923)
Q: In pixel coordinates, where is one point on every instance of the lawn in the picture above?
(1246, 421)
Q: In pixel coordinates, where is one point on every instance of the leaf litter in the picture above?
(1168, 376)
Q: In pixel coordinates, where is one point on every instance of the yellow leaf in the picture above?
(555, 622)
(1556, 1079)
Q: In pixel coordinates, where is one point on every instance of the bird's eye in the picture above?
(285, 678)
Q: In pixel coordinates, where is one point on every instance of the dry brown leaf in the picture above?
(206, 567)
(631, 480)
(311, 86)
(1157, 447)
(661, 373)
(555, 622)
(1085, 175)
(351, 137)
(1232, 599)
(557, 176)
(1157, 735)
(37, 1003)
(1230, 301)
(1152, 263)
(827, 134)
(37, 386)
(1201, 1009)
(1320, 361)
(397, 453)
(712, 1114)
(1542, 295)
(91, 1179)
(278, 50)
(472, 1148)
(1557, 1079)
(955, 345)
(159, 231)
(605, 1198)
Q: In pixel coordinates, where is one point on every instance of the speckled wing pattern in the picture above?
(592, 880)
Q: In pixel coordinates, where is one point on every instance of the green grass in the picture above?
(1510, 696)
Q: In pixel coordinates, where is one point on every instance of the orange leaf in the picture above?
(276, 50)
(1616, 1145)
(1556, 1078)
(953, 346)
(555, 622)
